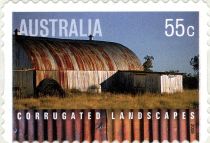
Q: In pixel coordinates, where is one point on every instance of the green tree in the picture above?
(194, 62)
(191, 81)
(148, 64)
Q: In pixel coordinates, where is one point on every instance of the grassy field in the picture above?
(186, 99)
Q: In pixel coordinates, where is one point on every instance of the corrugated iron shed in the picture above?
(74, 64)
(141, 81)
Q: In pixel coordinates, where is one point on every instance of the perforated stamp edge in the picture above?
(2, 64)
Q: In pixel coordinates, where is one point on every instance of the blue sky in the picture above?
(142, 32)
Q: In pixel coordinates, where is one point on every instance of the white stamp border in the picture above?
(2, 58)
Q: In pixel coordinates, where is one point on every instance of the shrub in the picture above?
(49, 87)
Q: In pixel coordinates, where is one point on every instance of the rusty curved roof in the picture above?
(86, 55)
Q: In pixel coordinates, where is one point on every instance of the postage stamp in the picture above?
(79, 71)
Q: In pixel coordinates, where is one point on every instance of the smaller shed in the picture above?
(140, 81)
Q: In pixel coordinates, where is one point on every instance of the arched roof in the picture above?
(86, 55)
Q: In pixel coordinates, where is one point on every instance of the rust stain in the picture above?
(31, 127)
(183, 125)
(164, 125)
(155, 126)
(173, 125)
(138, 128)
(146, 131)
(87, 127)
(127, 127)
(50, 126)
(55, 54)
(118, 130)
(59, 127)
(78, 126)
(40, 126)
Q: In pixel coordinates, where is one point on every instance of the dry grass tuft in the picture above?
(185, 100)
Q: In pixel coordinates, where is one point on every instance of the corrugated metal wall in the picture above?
(83, 55)
(106, 128)
(147, 82)
(20, 59)
(171, 83)
(23, 83)
(82, 80)
(99, 80)
(119, 82)
(138, 81)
